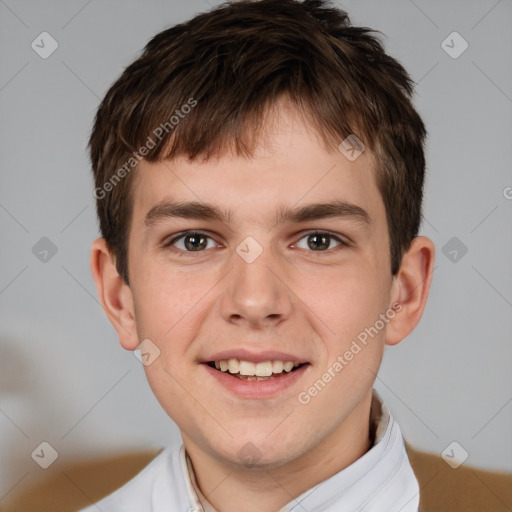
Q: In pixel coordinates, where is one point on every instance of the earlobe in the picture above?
(114, 294)
(411, 286)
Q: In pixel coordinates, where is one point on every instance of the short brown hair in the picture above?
(231, 64)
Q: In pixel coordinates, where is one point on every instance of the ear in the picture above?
(114, 294)
(410, 289)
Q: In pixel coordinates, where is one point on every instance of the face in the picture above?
(259, 271)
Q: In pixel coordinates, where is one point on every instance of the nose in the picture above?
(256, 293)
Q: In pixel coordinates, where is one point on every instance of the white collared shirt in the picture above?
(381, 480)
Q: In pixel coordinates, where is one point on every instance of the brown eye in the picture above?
(195, 242)
(320, 241)
(191, 242)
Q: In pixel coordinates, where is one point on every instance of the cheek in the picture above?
(349, 300)
(353, 343)
(165, 302)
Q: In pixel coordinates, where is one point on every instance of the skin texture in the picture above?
(292, 298)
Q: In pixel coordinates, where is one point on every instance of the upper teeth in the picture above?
(264, 369)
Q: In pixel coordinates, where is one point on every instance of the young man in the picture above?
(259, 174)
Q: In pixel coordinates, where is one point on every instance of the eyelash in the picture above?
(332, 236)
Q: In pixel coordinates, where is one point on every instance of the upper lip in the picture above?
(254, 357)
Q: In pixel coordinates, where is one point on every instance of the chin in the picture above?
(260, 452)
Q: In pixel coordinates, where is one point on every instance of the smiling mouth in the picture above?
(245, 370)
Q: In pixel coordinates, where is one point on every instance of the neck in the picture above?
(228, 488)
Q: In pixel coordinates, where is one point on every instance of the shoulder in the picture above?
(141, 491)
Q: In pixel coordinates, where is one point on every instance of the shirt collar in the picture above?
(357, 485)
(197, 499)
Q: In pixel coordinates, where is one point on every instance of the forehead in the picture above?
(290, 165)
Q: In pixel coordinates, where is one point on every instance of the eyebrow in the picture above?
(204, 211)
(193, 210)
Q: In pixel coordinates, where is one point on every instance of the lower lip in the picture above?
(257, 388)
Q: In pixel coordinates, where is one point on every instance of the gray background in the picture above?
(65, 380)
